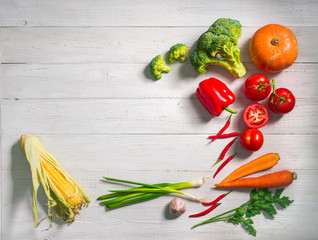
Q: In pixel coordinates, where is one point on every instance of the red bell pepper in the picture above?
(215, 96)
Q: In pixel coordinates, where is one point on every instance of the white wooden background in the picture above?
(74, 73)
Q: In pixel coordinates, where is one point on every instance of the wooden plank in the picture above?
(121, 45)
(151, 158)
(166, 153)
(98, 80)
(160, 116)
(149, 13)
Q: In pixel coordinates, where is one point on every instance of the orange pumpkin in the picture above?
(273, 48)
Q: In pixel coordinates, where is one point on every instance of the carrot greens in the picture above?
(261, 200)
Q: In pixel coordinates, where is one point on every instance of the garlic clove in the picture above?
(177, 206)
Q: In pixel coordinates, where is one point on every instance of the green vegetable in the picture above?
(219, 46)
(158, 66)
(178, 52)
(120, 198)
(260, 200)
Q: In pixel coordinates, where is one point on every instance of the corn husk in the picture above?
(65, 197)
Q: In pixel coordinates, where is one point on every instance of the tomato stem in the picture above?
(281, 99)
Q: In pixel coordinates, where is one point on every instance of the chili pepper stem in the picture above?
(230, 110)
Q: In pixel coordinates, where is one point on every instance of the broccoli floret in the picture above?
(178, 52)
(219, 46)
(157, 66)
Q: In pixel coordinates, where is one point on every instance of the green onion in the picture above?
(120, 198)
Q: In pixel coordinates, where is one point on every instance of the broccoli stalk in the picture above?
(178, 52)
(219, 46)
(158, 66)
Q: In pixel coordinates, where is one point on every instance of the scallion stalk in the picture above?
(120, 198)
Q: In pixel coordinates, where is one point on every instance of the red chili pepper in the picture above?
(226, 135)
(227, 147)
(224, 164)
(216, 200)
(205, 211)
(215, 96)
(227, 124)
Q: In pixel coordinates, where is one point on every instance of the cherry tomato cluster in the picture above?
(257, 88)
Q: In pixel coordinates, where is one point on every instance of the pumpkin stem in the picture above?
(275, 41)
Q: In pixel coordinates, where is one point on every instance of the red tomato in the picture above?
(252, 139)
(282, 102)
(257, 87)
(255, 115)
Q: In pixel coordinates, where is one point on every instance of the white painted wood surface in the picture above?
(74, 73)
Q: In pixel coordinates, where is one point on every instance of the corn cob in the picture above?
(64, 195)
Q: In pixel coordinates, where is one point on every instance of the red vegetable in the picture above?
(224, 164)
(255, 115)
(257, 87)
(281, 100)
(226, 135)
(216, 200)
(227, 147)
(205, 211)
(252, 139)
(227, 124)
(215, 96)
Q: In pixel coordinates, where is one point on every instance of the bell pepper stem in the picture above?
(230, 110)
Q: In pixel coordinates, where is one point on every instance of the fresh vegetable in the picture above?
(255, 115)
(226, 135)
(227, 124)
(271, 180)
(224, 164)
(261, 163)
(120, 198)
(251, 139)
(158, 66)
(224, 151)
(261, 200)
(177, 206)
(206, 211)
(215, 96)
(281, 100)
(178, 52)
(257, 87)
(273, 48)
(219, 46)
(216, 200)
(64, 195)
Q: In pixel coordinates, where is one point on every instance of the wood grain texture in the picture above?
(147, 116)
(128, 80)
(149, 13)
(75, 74)
(121, 44)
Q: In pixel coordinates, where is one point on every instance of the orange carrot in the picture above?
(264, 162)
(272, 180)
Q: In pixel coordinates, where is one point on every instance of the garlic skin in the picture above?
(177, 206)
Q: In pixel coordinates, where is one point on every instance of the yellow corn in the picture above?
(64, 195)
(66, 189)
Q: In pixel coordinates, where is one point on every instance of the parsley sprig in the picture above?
(261, 200)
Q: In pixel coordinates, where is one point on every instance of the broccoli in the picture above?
(157, 66)
(219, 46)
(178, 52)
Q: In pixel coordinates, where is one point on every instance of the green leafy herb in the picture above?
(261, 200)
